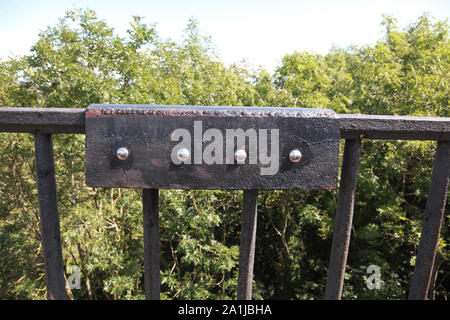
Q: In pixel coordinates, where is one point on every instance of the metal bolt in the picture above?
(122, 153)
(183, 154)
(240, 156)
(295, 155)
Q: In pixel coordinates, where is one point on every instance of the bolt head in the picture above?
(240, 156)
(183, 154)
(122, 153)
(295, 155)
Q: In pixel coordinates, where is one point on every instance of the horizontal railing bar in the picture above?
(352, 126)
(44, 120)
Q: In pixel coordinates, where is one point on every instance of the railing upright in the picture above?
(247, 245)
(344, 217)
(150, 199)
(49, 219)
(433, 220)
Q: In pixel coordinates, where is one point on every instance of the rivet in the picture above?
(183, 154)
(122, 153)
(240, 156)
(295, 155)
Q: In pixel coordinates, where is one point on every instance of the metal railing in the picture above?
(43, 122)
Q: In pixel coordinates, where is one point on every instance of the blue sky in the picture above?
(259, 31)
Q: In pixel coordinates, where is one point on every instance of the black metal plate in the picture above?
(146, 132)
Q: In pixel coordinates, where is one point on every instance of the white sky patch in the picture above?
(259, 31)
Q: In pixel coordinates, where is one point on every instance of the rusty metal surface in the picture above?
(49, 219)
(247, 245)
(146, 132)
(433, 220)
(343, 222)
(150, 199)
(216, 111)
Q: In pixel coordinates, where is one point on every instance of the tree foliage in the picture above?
(82, 60)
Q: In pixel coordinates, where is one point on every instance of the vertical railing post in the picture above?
(344, 217)
(150, 199)
(49, 219)
(433, 219)
(247, 245)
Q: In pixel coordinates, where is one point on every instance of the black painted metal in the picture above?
(433, 220)
(394, 127)
(147, 132)
(247, 245)
(344, 217)
(49, 219)
(44, 120)
(72, 120)
(353, 127)
(150, 199)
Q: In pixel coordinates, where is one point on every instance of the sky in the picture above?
(259, 31)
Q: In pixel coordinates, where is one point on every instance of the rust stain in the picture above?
(93, 113)
(331, 187)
